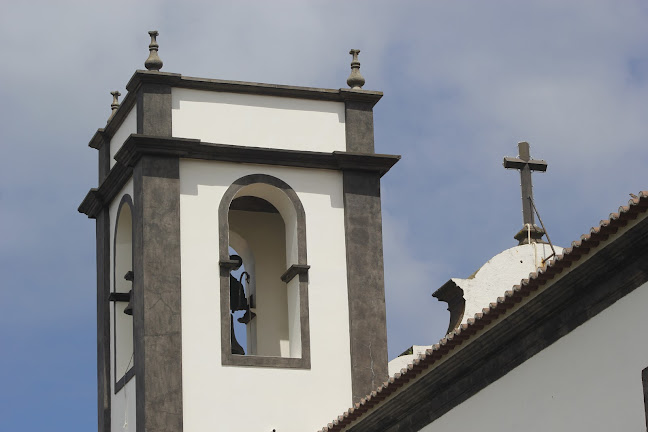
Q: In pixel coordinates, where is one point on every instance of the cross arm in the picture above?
(538, 165)
(513, 163)
(516, 163)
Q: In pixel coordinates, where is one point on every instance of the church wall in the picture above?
(128, 126)
(500, 273)
(258, 121)
(589, 379)
(218, 397)
(122, 403)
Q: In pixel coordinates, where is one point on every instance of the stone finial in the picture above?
(115, 103)
(355, 80)
(153, 62)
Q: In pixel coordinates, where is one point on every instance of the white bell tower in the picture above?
(242, 224)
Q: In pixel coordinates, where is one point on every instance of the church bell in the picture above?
(129, 307)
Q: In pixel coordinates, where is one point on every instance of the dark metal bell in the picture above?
(129, 307)
(129, 276)
(236, 347)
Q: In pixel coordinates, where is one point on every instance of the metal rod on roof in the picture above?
(545, 230)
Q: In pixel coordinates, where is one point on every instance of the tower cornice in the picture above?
(368, 97)
(137, 146)
(263, 89)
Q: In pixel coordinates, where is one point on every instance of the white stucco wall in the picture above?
(500, 274)
(122, 409)
(128, 126)
(395, 365)
(220, 397)
(258, 121)
(122, 403)
(589, 380)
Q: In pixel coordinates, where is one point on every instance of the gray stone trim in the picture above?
(454, 296)
(101, 142)
(365, 281)
(156, 294)
(104, 135)
(267, 362)
(124, 380)
(644, 381)
(92, 203)
(98, 198)
(359, 126)
(253, 204)
(98, 140)
(103, 320)
(119, 297)
(126, 200)
(227, 358)
(609, 275)
(176, 80)
(154, 109)
(137, 146)
(294, 270)
(228, 264)
(104, 162)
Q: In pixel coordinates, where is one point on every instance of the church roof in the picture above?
(575, 266)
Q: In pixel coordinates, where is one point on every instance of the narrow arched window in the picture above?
(264, 284)
(121, 295)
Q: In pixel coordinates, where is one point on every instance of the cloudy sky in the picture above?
(464, 81)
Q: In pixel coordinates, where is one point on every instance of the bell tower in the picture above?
(239, 253)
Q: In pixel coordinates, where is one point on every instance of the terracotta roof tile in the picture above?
(511, 297)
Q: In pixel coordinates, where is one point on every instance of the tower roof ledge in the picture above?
(207, 84)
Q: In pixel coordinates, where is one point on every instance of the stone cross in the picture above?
(526, 165)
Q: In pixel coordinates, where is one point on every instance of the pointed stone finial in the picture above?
(153, 62)
(355, 80)
(115, 103)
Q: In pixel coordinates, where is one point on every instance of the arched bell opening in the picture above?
(121, 295)
(262, 217)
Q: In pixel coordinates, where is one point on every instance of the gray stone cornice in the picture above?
(137, 146)
(97, 198)
(177, 80)
(98, 139)
(105, 134)
(91, 204)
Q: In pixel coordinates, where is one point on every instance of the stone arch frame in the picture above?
(298, 269)
(127, 200)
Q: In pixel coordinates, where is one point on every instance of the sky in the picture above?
(463, 82)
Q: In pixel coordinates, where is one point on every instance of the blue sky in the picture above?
(464, 81)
